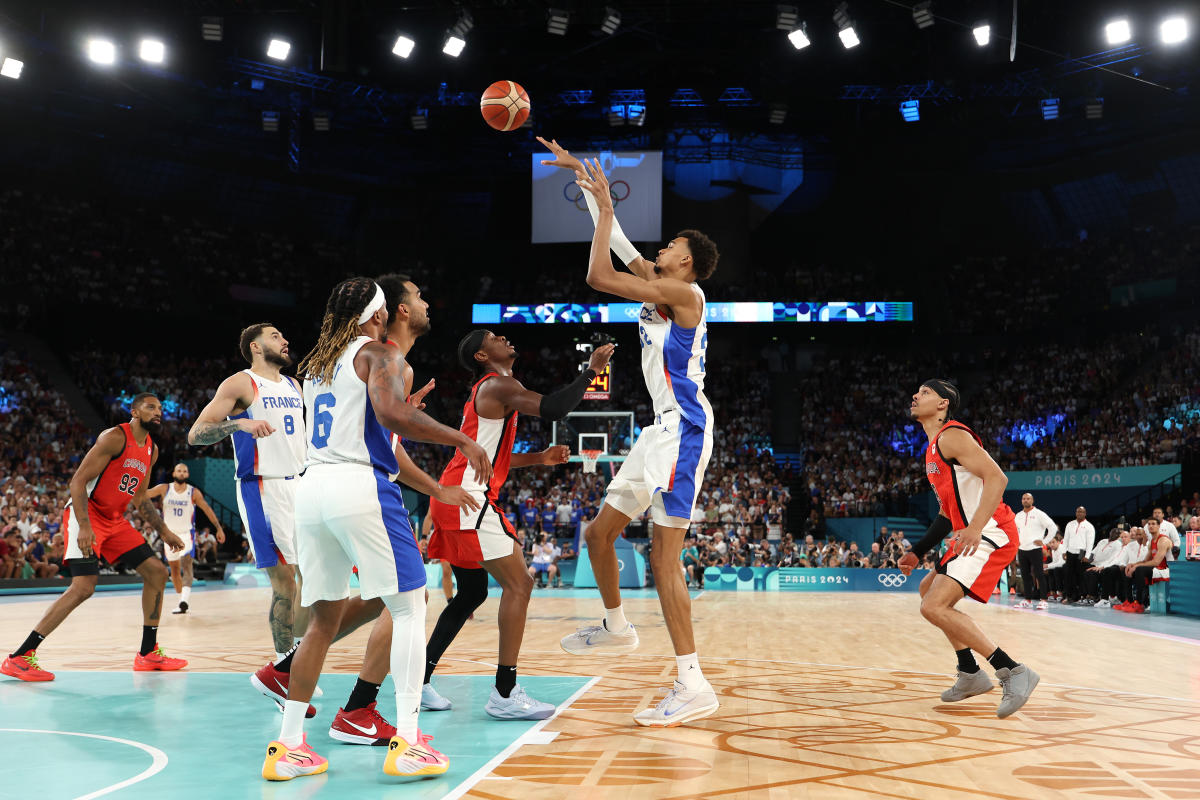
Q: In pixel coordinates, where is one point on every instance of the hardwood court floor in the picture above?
(823, 696)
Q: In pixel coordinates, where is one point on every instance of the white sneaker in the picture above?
(679, 706)
(517, 705)
(599, 639)
(1024, 604)
(1103, 604)
(432, 701)
(1042, 605)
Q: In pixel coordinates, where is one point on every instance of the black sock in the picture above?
(31, 643)
(285, 663)
(149, 639)
(1001, 660)
(506, 679)
(966, 661)
(430, 666)
(363, 695)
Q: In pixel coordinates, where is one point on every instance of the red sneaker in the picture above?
(362, 726)
(1121, 606)
(274, 684)
(1137, 608)
(157, 660)
(25, 668)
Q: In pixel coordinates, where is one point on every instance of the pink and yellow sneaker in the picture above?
(284, 763)
(410, 760)
(156, 659)
(25, 668)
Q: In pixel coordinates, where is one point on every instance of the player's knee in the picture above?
(596, 537)
(81, 589)
(931, 611)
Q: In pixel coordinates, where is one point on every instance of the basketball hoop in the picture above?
(590, 457)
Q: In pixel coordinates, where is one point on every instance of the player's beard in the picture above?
(153, 426)
(279, 359)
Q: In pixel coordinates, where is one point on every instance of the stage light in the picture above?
(11, 68)
(278, 49)
(635, 114)
(611, 21)
(1050, 108)
(616, 115)
(845, 25)
(1118, 31)
(849, 38)
(257, 84)
(911, 110)
(152, 51)
(454, 46)
(786, 18)
(321, 121)
(557, 21)
(212, 29)
(983, 34)
(102, 51)
(404, 46)
(464, 24)
(777, 114)
(270, 121)
(799, 38)
(923, 14)
(1174, 30)
(420, 120)
(1095, 108)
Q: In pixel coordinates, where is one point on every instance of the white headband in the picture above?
(372, 306)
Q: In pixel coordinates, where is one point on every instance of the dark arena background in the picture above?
(1003, 195)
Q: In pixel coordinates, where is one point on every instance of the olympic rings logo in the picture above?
(617, 194)
(892, 580)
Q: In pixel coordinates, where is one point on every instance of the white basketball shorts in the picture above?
(663, 472)
(268, 508)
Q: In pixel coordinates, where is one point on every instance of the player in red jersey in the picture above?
(470, 540)
(112, 475)
(970, 487)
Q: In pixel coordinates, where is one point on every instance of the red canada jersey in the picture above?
(958, 489)
(495, 436)
(109, 493)
(1162, 562)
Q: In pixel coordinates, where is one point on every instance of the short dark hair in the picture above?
(704, 253)
(248, 335)
(141, 397)
(394, 290)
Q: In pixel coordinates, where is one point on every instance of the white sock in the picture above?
(614, 620)
(408, 658)
(689, 671)
(292, 731)
(185, 594)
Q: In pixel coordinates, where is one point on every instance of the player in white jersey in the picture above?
(262, 410)
(665, 467)
(349, 512)
(179, 503)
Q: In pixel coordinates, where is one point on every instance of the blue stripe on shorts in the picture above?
(410, 568)
(679, 501)
(262, 540)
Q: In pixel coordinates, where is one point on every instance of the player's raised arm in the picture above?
(618, 241)
(501, 395)
(601, 275)
(212, 425)
(385, 386)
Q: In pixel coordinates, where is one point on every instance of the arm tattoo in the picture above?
(387, 382)
(213, 432)
(150, 514)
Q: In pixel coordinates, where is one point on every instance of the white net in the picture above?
(590, 459)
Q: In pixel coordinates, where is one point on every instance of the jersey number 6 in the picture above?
(322, 419)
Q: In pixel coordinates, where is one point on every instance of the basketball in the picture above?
(504, 105)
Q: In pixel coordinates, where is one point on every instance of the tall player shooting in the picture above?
(487, 539)
(112, 476)
(351, 513)
(179, 502)
(262, 410)
(970, 490)
(665, 467)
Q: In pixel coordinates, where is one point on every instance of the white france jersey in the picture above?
(280, 455)
(179, 510)
(673, 363)
(344, 427)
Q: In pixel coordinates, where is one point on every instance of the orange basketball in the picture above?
(504, 105)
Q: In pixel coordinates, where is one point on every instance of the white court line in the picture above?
(160, 758)
(523, 739)
(885, 669)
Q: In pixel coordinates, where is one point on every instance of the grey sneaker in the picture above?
(432, 701)
(517, 705)
(1017, 684)
(968, 684)
(599, 639)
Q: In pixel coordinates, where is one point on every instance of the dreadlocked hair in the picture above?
(338, 328)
